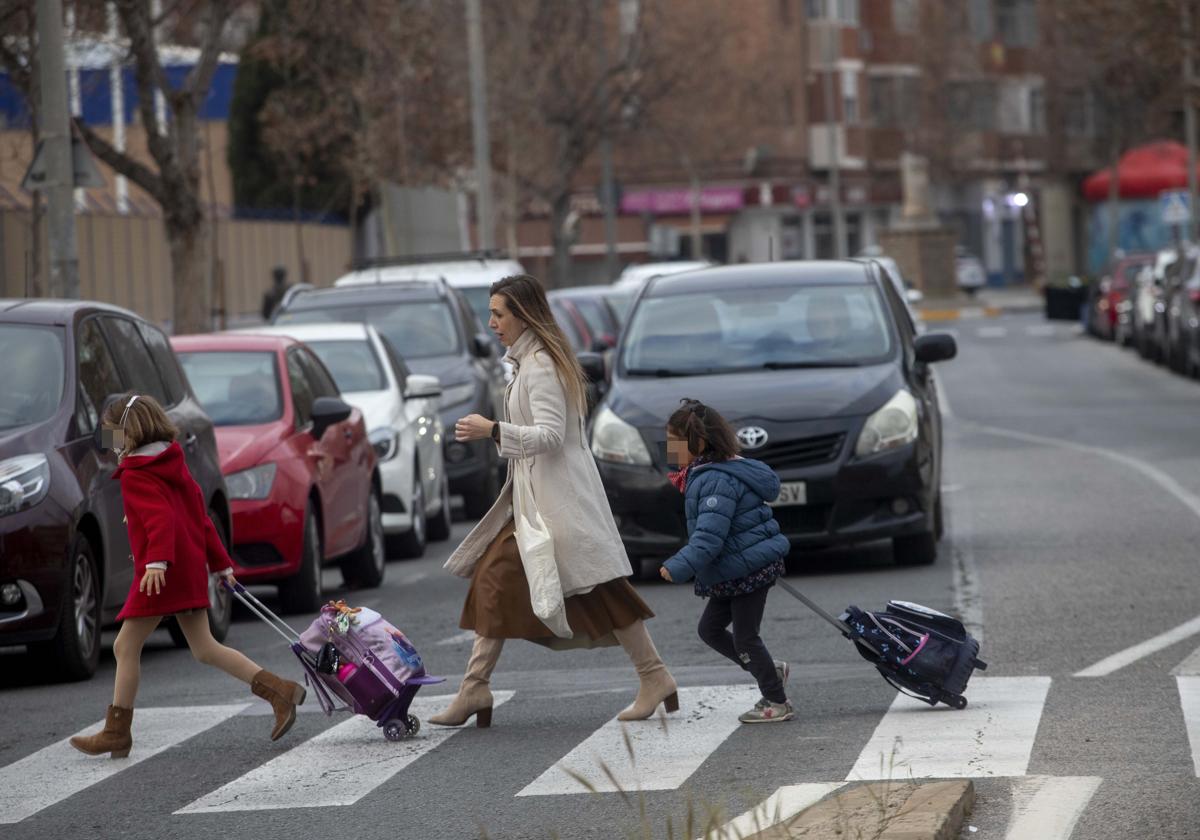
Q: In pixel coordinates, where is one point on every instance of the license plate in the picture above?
(791, 493)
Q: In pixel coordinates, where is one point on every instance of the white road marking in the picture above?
(1185, 497)
(993, 736)
(338, 767)
(1041, 330)
(664, 756)
(1047, 807)
(1119, 660)
(58, 771)
(457, 638)
(992, 332)
(779, 807)
(943, 398)
(1189, 667)
(968, 592)
(1189, 700)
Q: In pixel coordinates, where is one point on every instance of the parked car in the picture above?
(304, 486)
(634, 276)
(65, 567)
(435, 331)
(1149, 307)
(819, 369)
(968, 271)
(594, 307)
(1183, 315)
(401, 412)
(1120, 294)
(472, 277)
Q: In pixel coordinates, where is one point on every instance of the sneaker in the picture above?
(768, 713)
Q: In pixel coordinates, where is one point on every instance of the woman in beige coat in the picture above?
(543, 432)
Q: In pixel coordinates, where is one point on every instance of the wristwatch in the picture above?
(496, 431)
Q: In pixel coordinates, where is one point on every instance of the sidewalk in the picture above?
(987, 303)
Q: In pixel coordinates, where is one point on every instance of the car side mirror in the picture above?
(419, 386)
(483, 346)
(593, 366)
(327, 411)
(937, 347)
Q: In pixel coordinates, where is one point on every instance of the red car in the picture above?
(303, 484)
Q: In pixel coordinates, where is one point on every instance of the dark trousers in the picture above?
(744, 647)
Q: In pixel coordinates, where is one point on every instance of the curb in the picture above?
(885, 811)
(960, 313)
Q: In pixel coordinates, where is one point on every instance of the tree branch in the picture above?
(199, 78)
(135, 14)
(122, 163)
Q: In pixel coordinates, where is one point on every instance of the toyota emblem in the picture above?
(752, 437)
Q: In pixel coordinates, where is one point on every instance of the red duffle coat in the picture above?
(168, 520)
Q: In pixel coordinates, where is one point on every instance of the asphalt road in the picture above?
(1073, 505)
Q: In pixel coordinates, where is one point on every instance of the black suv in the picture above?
(436, 332)
(65, 567)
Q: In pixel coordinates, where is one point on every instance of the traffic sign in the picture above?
(85, 173)
(1175, 207)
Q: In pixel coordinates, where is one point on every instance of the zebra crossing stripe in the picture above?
(664, 755)
(1047, 807)
(1189, 700)
(1189, 667)
(58, 771)
(779, 807)
(993, 736)
(338, 767)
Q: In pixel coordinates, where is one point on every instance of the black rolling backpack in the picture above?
(921, 652)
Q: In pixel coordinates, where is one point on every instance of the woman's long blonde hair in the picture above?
(527, 300)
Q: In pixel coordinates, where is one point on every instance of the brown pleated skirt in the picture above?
(498, 605)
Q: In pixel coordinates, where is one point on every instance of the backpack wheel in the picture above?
(395, 730)
(959, 702)
(414, 725)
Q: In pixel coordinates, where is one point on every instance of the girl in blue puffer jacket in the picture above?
(735, 550)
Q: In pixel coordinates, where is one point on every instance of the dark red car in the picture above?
(303, 485)
(1118, 299)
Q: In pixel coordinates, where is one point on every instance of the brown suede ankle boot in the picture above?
(113, 739)
(655, 683)
(283, 695)
(474, 696)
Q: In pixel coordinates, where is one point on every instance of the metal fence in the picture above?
(124, 260)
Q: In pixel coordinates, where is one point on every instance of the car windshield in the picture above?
(236, 388)
(34, 375)
(480, 298)
(354, 365)
(418, 329)
(739, 329)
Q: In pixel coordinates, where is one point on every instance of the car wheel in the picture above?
(412, 543)
(438, 527)
(477, 503)
(363, 569)
(220, 609)
(915, 550)
(303, 592)
(75, 649)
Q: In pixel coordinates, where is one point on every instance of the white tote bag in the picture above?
(536, 545)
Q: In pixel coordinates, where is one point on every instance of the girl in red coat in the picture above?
(175, 547)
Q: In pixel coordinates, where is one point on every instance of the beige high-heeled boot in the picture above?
(656, 683)
(474, 696)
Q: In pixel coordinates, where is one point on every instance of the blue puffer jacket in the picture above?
(731, 531)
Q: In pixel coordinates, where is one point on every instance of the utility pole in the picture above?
(484, 220)
(829, 43)
(1189, 112)
(59, 183)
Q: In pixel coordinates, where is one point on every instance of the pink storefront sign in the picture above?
(679, 201)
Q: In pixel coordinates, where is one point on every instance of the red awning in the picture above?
(1143, 172)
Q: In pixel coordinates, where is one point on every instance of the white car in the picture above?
(637, 275)
(474, 278)
(968, 271)
(401, 413)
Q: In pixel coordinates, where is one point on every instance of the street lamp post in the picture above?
(59, 184)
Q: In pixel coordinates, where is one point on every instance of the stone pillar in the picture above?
(922, 247)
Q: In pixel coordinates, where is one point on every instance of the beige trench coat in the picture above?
(541, 427)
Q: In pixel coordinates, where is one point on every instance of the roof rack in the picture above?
(365, 263)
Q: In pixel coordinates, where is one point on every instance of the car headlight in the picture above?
(890, 427)
(24, 481)
(254, 483)
(457, 394)
(615, 440)
(386, 443)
